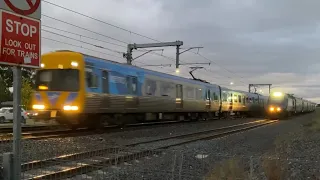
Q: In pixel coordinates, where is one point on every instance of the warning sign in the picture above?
(20, 40)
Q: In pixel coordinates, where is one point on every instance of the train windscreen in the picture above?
(57, 80)
(276, 100)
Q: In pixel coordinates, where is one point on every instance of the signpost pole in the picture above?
(16, 122)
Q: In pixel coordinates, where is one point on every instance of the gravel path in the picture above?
(41, 149)
(249, 154)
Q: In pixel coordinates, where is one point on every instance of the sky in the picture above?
(247, 41)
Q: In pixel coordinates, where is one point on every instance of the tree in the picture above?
(7, 75)
(26, 92)
(5, 94)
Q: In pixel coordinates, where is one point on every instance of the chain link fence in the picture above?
(126, 163)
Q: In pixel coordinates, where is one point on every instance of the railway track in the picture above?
(45, 132)
(74, 164)
(7, 129)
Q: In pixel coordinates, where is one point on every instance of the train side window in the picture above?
(208, 95)
(239, 98)
(132, 84)
(190, 92)
(243, 100)
(92, 80)
(165, 89)
(235, 98)
(151, 87)
(229, 97)
(224, 97)
(199, 93)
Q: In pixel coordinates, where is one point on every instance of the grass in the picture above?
(233, 169)
(314, 125)
(274, 169)
(230, 169)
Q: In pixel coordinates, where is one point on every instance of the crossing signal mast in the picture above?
(255, 86)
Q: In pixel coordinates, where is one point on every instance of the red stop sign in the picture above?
(20, 40)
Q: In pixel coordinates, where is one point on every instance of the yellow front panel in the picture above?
(58, 100)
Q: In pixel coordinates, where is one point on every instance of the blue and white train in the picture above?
(81, 90)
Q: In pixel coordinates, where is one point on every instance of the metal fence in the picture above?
(124, 163)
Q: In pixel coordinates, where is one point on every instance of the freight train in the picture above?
(85, 91)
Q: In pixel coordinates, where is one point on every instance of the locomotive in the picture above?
(80, 90)
(283, 105)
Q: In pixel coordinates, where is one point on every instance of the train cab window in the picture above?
(243, 100)
(57, 80)
(132, 85)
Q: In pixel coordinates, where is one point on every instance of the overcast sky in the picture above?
(248, 41)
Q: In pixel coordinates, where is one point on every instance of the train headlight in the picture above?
(271, 109)
(74, 64)
(278, 109)
(37, 106)
(70, 108)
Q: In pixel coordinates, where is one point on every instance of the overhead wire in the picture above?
(80, 47)
(109, 37)
(98, 46)
(96, 19)
(99, 51)
(218, 65)
(118, 27)
(80, 35)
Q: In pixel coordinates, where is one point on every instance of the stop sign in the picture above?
(20, 40)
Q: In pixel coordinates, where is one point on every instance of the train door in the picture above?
(230, 101)
(220, 100)
(105, 82)
(179, 96)
(208, 99)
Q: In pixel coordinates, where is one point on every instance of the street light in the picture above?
(177, 70)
